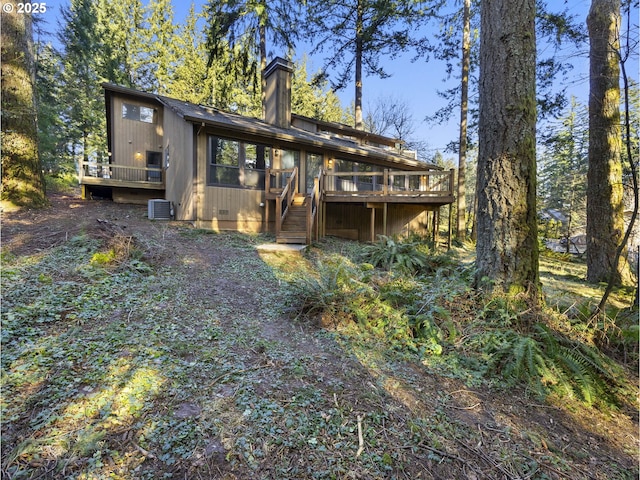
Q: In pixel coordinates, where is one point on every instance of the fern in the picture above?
(526, 358)
(574, 365)
(331, 290)
(546, 361)
(390, 253)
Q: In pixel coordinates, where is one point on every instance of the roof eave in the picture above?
(319, 143)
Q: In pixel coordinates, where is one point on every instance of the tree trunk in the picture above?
(605, 205)
(358, 74)
(22, 177)
(263, 66)
(507, 248)
(461, 227)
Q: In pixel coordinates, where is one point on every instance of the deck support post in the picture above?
(384, 218)
(435, 228)
(324, 219)
(449, 229)
(373, 224)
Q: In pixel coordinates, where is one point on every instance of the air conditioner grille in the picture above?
(159, 210)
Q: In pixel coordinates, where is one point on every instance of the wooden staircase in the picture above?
(297, 214)
(294, 226)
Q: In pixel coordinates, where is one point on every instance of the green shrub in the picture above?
(408, 256)
(332, 290)
(103, 258)
(61, 182)
(390, 253)
(437, 313)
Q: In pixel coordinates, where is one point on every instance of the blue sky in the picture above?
(416, 83)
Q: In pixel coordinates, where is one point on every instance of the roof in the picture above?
(351, 131)
(210, 116)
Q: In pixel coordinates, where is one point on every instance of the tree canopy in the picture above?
(356, 36)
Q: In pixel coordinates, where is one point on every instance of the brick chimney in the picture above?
(278, 94)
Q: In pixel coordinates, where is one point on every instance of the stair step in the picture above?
(299, 220)
(294, 227)
(299, 199)
(301, 239)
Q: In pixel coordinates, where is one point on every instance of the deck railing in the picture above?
(391, 183)
(276, 179)
(313, 206)
(286, 196)
(110, 172)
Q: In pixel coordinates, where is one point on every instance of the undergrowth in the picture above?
(120, 360)
(421, 303)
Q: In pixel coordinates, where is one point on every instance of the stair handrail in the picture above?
(287, 194)
(313, 205)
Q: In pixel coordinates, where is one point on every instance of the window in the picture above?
(290, 159)
(357, 182)
(137, 113)
(237, 164)
(313, 166)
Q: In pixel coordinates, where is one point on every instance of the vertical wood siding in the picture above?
(354, 221)
(180, 174)
(131, 136)
(223, 208)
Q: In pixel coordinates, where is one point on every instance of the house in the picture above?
(295, 176)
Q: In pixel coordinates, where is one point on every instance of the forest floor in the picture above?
(141, 349)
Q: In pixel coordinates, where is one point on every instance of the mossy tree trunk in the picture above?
(507, 245)
(22, 177)
(461, 225)
(605, 205)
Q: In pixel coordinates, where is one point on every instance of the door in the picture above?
(154, 162)
(313, 165)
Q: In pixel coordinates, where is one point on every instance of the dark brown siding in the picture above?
(354, 221)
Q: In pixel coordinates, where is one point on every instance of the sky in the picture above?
(414, 83)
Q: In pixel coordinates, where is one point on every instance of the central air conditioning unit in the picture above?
(159, 209)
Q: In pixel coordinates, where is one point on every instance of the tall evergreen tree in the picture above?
(554, 31)
(191, 79)
(313, 99)
(507, 248)
(121, 36)
(82, 94)
(51, 127)
(242, 26)
(605, 205)
(461, 205)
(563, 168)
(158, 56)
(358, 34)
(22, 178)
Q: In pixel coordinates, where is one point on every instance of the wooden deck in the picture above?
(110, 175)
(432, 187)
(299, 217)
(412, 198)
